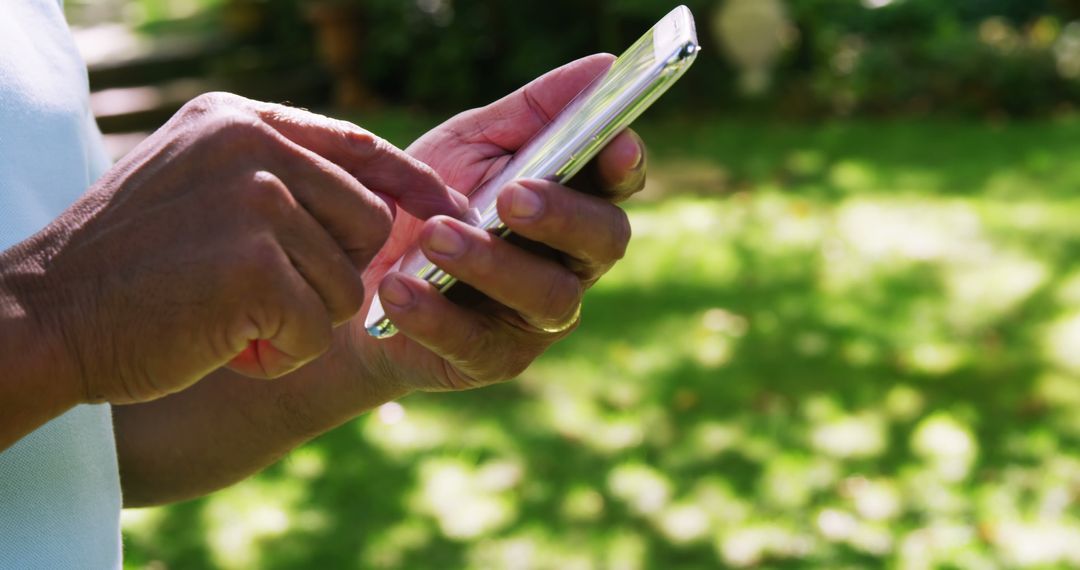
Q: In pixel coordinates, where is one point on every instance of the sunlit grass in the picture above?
(843, 346)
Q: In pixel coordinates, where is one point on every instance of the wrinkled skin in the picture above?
(533, 294)
(235, 235)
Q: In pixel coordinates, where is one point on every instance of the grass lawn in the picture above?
(832, 346)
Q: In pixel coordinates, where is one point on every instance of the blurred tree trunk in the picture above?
(1071, 8)
(340, 34)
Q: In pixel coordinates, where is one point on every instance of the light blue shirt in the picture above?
(59, 486)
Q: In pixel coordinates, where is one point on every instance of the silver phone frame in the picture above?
(565, 145)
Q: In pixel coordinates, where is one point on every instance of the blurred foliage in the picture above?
(991, 56)
(850, 345)
(840, 347)
(846, 57)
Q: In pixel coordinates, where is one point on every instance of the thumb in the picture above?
(514, 119)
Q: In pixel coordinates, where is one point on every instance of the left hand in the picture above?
(532, 294)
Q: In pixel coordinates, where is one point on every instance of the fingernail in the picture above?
(445, 241)
(525, 203)
(640, 153)
(395, 292)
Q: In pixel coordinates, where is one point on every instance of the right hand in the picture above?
(235, 235)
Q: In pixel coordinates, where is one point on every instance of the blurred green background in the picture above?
(846, 334)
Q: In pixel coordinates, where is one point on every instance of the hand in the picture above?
(532, 294)
(228, 427)
(234, 235)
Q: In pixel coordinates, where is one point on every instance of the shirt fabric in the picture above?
(59, 486)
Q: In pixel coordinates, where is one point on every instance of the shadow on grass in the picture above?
(705, 418)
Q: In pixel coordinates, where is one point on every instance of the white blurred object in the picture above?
(106, 43)
(947, 445)
(1067, 51)
(753, 35)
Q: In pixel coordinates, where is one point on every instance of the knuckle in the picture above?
(566, 218)
(218, 98)
(421, 168)
(454, 379)
(489, 359)
(267, 195)
(562, 297)
(484, 263)
(282, 114)
(201, 104)
(619, 237)
(472, 346)
(364, 144)
(209, 104)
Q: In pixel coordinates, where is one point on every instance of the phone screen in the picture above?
(602, 110)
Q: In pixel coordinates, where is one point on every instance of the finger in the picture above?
(543, 292)
(618, 171)
(288, 324)
(325, 266)
(381, 166)
(479, 349)
(511, 121)
(357, 219)
(590, 230)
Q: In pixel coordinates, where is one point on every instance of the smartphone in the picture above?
(559, 150)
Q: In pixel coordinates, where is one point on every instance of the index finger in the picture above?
(379, 165)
